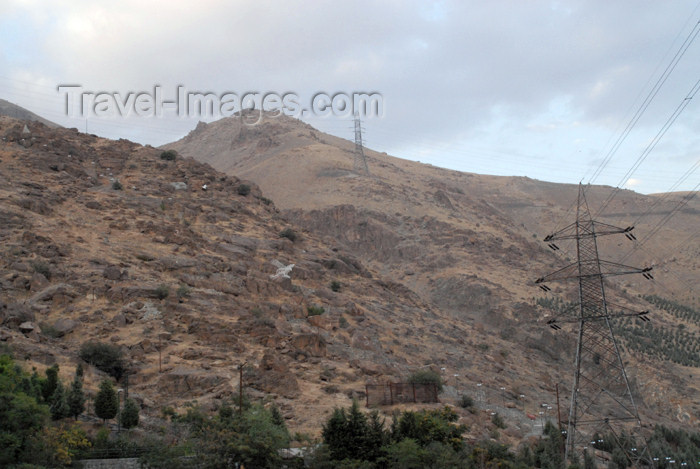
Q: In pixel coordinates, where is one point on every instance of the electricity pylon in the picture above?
(360, 163)
(601, 398)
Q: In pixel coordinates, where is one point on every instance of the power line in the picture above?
(647, 101)
(669, 122)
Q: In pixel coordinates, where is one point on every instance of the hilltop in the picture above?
(17, 112)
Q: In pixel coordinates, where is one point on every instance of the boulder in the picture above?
(28, 327)
(64, 326)
(58, 291)
(310, 344)
(188, 382)
(112, 272)
(38, 282)
(15, 314)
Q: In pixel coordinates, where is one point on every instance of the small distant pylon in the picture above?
(360, 162)
(601, 398)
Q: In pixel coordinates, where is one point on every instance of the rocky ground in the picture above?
(104, 240)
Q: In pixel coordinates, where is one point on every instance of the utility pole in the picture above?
(360, 162)
(601, 398)
(240, 388)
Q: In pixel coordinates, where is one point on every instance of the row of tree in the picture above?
(29, 401)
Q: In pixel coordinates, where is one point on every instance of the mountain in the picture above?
(470, 247)
(17, 112)
(178, 265)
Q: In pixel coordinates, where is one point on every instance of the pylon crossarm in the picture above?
(609, 269)
(593, 229)
(570, 271)
(568, 232)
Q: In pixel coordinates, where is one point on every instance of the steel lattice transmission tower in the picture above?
(360, 163)
(601, 398)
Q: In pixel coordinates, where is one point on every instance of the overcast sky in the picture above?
(533, 88)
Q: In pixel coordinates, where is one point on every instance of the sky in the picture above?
(545, 89)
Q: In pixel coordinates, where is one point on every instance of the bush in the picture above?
(466, 402)
(104, 357)
(168, 155)
(289, 233)
(42, 268)
(117, 186)
(243, 189)
(497, 420)
(162, 292)
(183, 292)
(49, 331)
(335, 286)
(315, 310)
(426, 377)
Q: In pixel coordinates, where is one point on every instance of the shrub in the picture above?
(426, 377)
(342, 322)
(104, 357)
(183, 292)
(314, 310)
(466, 402)
(265, 200)
(243, 189)
(42, 268)
(49, 331)
(168, 155)
(289, 233)
(162, 292)
(335, 286)
(117, 186)
(497, 420)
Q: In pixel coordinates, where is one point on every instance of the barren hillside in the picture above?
(468, 245)
(104, 240)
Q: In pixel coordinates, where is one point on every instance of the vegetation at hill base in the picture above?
(254, 434)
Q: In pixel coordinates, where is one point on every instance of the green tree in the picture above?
(426, 377)
(21, 416)
(106, 401)
(428, 426)
(352, 433)
(405, 454)
(253, 438)
(548, 452)
(58, 404)
(130, 414)
(76, 397)
(48, 386)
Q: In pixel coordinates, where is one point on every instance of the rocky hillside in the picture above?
(178, 265)
(467, 245)
(105, 241)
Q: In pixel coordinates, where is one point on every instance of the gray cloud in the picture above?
(542, 74)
